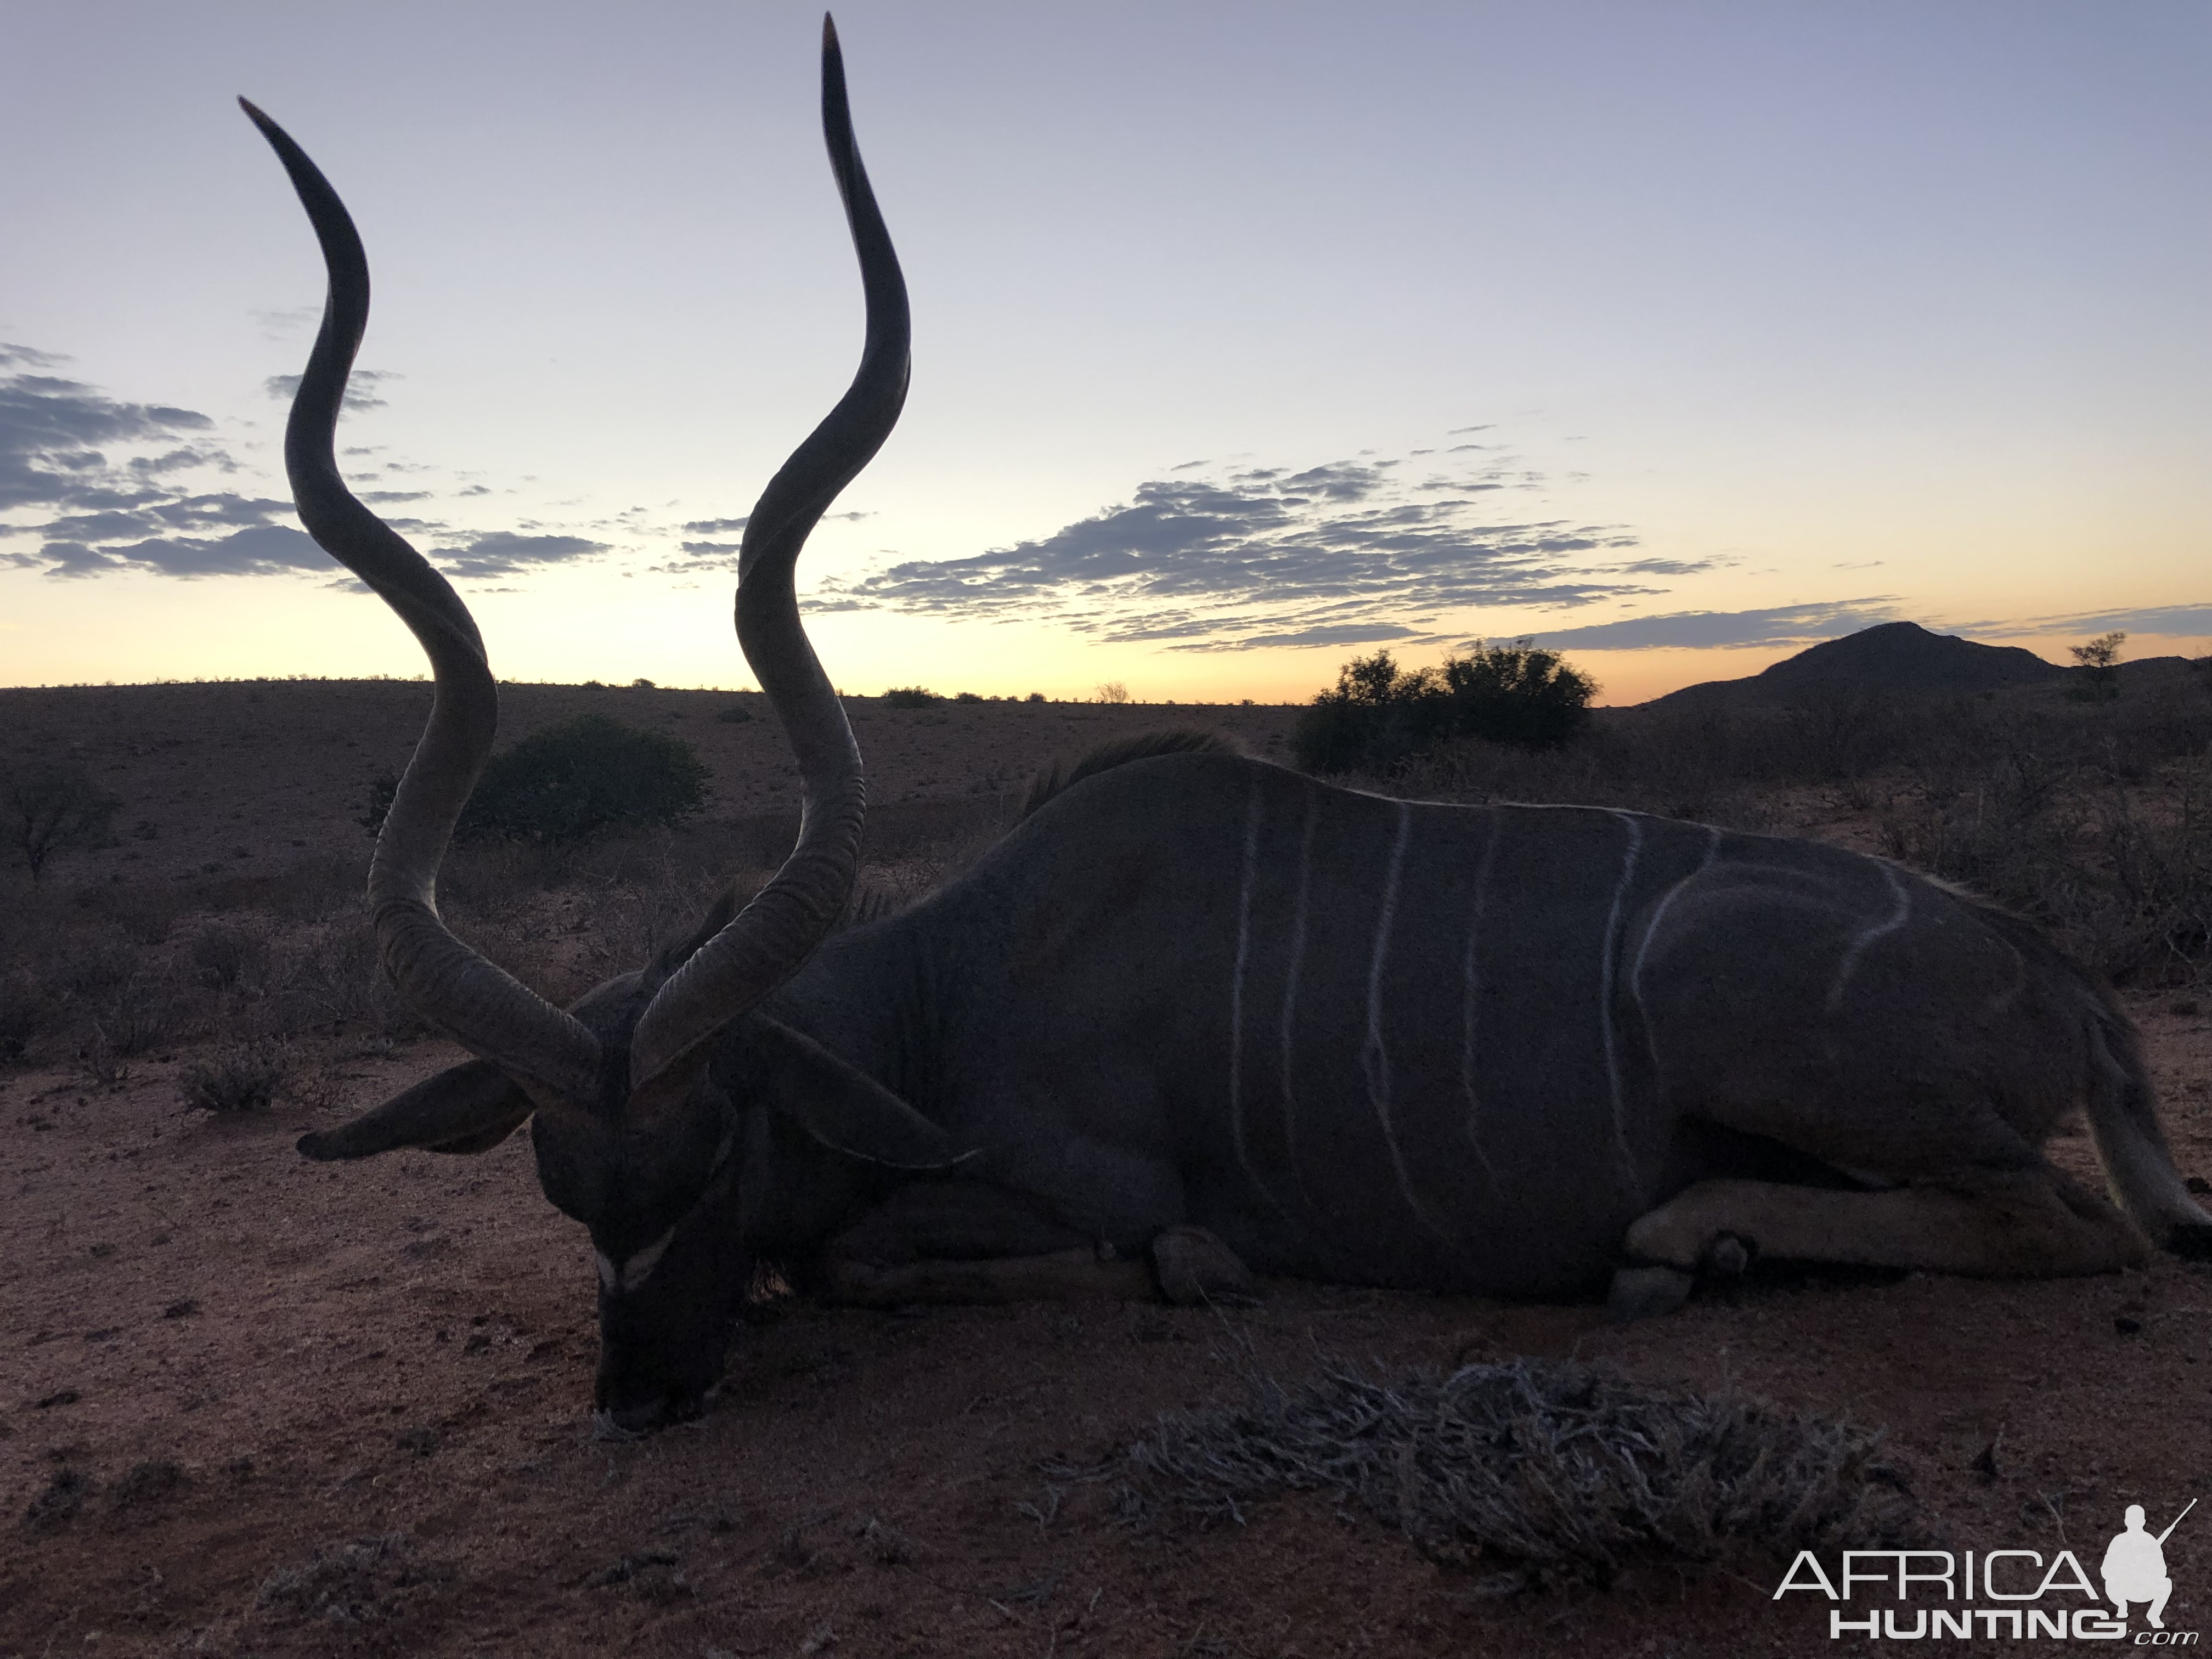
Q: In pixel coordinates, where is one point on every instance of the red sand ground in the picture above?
(253, 1364)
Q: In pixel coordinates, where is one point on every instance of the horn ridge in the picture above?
(488, 1012)
(770, 939)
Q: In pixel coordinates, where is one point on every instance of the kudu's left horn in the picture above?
(494, 1016)
(487, 1011)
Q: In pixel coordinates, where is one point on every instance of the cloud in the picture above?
(502, 553)
(707, 553)
(2155, 619)
(1795, 624)
(284, 321)
(55, 436)
(360, 392)
(95, 510)
(1267, 556)
(260, 549)
(1332, 633)
(1670, 567)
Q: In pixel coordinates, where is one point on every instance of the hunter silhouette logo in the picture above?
(2000, 1594)
(2134, 1566)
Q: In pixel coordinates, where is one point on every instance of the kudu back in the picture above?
(1197, 1015)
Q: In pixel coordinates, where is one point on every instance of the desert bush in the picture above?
(335, 978)
(1516, 693)
(582, 779)
(240, 1077)
(1378, 714)
(734, 714)
(103, 1068)
(378, 806)
(51, 806)
(2100, 662)
(910, 697)
(2122, 875)
(27, 1012)
(228, 956)
(1556, 1473)
(138, 1016)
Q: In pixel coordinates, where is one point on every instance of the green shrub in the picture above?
(1516, 694)
(911, 696)
(581, 778)
(1379, 715)
(734, 714)
(574, 780)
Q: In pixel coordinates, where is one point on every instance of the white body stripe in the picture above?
(1651, 931)
(1237, 989)
(1902, 891)
(1291, 983)
(1376, 1053)
(1470, 987)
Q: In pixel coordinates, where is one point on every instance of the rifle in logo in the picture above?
(2134, 1566)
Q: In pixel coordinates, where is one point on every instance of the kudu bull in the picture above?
(1194, 1010)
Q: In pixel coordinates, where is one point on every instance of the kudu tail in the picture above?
(2124, 1122)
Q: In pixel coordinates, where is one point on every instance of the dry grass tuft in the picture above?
(240, 1077)
(369, 1582)
(1544, 1472)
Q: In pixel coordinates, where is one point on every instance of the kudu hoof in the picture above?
(1728, 1256)
(1646, 1292)
(1194, 1266)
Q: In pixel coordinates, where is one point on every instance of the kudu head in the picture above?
(645, 1096)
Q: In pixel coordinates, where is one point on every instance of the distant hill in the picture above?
(1899, 656)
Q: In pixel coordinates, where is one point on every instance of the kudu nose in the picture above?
(646, 1413)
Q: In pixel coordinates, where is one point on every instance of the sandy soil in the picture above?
(252, 1405)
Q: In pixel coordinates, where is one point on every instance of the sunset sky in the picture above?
(1247, 337)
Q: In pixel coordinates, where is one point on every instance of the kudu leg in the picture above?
(962, 1242)
(2027, 1224)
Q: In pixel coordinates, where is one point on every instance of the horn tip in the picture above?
(259, 117)
(829, 33)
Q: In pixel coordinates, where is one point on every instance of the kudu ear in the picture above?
(837, 1103)
(468, 1108)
